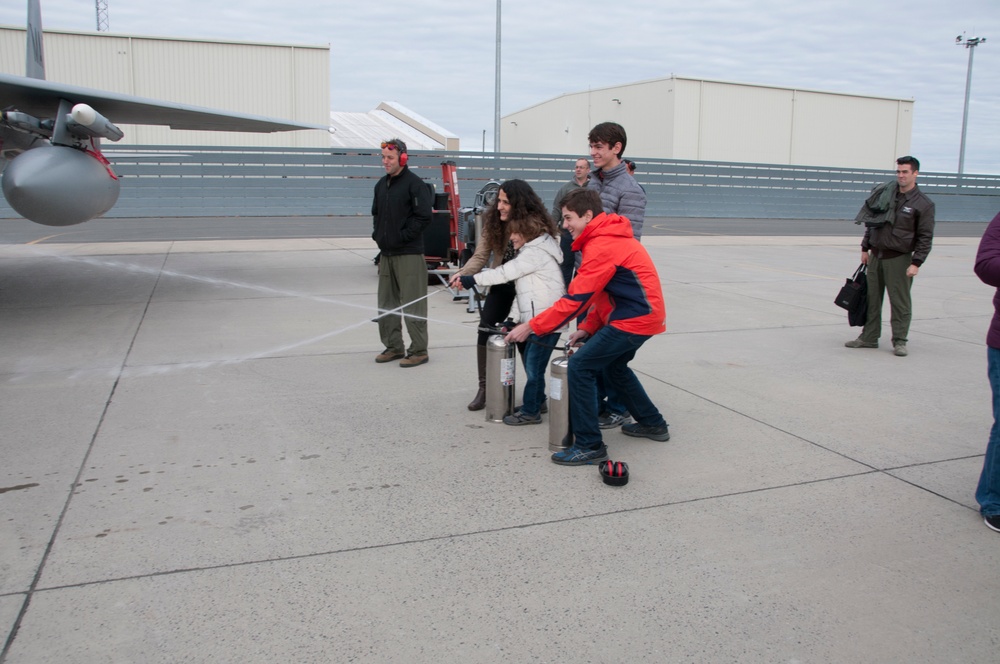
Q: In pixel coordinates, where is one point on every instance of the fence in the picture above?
(175, 181)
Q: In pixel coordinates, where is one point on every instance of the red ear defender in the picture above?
(614, 473)
(403, 158)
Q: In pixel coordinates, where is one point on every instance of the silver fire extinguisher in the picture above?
(559, 435)
(500, 376)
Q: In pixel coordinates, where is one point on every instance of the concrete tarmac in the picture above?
(203, 463)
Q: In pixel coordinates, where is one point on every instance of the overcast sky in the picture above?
(437, 57)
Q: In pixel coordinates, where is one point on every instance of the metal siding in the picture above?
(12, 51)
(643, 113)
(856, 132)
(904, 127)
(245, 78)
(745, 123)
(289, 82)
(687, 119)
(684, 118)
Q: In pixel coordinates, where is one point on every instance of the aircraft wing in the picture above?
(41, 99)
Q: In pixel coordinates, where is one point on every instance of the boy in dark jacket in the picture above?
(401, 211)
(620, 286)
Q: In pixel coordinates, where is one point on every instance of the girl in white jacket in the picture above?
(537, 277)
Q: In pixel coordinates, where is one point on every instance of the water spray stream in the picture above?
(266, 290)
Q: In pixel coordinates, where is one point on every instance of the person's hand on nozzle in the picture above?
(577, 338)
(520, 333)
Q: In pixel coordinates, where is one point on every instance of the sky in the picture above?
(437, 57)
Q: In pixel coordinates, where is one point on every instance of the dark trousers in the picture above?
(888, 276)
(496, 307)
(609, 351)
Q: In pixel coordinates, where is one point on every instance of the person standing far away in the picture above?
(894, 247)
(401, 211)
(620, 193)
(988, 270)
(581, 176)
(630, 166)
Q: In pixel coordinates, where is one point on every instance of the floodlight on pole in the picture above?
(970, 44)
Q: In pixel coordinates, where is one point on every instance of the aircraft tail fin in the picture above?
(34, 63)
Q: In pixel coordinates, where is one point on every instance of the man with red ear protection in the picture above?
(401, 211)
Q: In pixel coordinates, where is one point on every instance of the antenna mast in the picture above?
(101, 6)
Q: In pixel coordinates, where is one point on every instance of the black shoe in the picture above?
(580, 456)
(992, 522)
(637, 430)
(519, 418)
(612, 420)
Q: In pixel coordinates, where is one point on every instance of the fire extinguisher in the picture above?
(500, 377)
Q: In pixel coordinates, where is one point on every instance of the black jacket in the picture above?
(401, 212)
(911, 230)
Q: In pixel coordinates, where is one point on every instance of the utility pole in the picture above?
(970, 44)
(496, 92)
(101, 6)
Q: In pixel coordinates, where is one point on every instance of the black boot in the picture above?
(479, 402)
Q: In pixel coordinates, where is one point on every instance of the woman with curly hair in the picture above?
(515, 200)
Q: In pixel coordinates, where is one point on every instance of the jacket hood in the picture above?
(549, 245)
(604, 225)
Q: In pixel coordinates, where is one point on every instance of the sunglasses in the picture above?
(390, 146)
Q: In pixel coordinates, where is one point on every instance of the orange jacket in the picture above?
(617, 284)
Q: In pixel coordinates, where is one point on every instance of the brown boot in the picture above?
(479, 401)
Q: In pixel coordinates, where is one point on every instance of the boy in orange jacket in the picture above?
(618, 287)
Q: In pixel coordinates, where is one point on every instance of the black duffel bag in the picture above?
(854, 297)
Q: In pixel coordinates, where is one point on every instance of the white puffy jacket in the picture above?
(536, 274)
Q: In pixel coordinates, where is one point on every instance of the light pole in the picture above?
(970, 44)
(496, 93)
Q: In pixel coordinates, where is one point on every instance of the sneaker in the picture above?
(519, 418)
(413, 360)
(388, 356)
(992, 522)
(612, 420)
(580, 456)
(899, 350)
(661, 433)
(858, 343)
(545, 407)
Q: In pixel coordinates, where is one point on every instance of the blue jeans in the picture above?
(988, 491)
(536, 361)
(609, 351)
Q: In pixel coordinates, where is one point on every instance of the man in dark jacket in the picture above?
(988, 269)
(400, 212)
(894, 253)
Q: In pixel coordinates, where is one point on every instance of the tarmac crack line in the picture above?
(884, 471)
(33, 586)
(451, 536)
(489, 531)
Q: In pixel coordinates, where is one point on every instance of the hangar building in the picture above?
(704, 120)
(273, 80)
